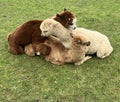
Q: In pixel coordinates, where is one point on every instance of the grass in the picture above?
(32, 79)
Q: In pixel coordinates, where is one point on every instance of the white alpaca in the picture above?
(99, 43)
(50, 27)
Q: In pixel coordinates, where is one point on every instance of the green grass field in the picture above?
(32, 79)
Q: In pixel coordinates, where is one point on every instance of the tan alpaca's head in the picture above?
(80, 40)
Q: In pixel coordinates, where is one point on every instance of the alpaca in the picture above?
(23, 35)
(37, 49)
(30, 32)
(50, 27)
(67, 19)
(60, 55)
(100, 43)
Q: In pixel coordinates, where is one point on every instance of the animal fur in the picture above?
(37, 49)
(61, 55)
(67, 19)
(50, 27)
(29, 32)
(100, 43)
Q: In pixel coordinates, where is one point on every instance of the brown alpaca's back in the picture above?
(28, 32)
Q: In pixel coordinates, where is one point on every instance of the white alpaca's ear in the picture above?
(49, 23)
(55, 24)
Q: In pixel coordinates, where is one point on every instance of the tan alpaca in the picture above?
(76, 54)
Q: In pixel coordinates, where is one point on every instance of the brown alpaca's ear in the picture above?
(65, 9)
(58, 15)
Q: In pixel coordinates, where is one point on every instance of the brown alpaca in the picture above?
(29, 32)
(60, 55)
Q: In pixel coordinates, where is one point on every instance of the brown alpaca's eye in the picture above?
(69, 19)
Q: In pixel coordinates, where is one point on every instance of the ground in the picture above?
(32, 79)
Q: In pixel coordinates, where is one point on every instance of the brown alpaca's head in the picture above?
(67, 19)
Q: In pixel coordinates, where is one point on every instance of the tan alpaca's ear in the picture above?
(87, 43)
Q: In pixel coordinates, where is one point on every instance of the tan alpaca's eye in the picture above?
(78, 42)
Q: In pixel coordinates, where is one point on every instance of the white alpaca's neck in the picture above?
(63, 34)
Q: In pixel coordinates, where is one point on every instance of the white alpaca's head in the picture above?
(47, 27)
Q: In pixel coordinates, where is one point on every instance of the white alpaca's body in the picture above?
(99, 43)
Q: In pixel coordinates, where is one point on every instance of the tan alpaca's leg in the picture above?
(83, 60)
